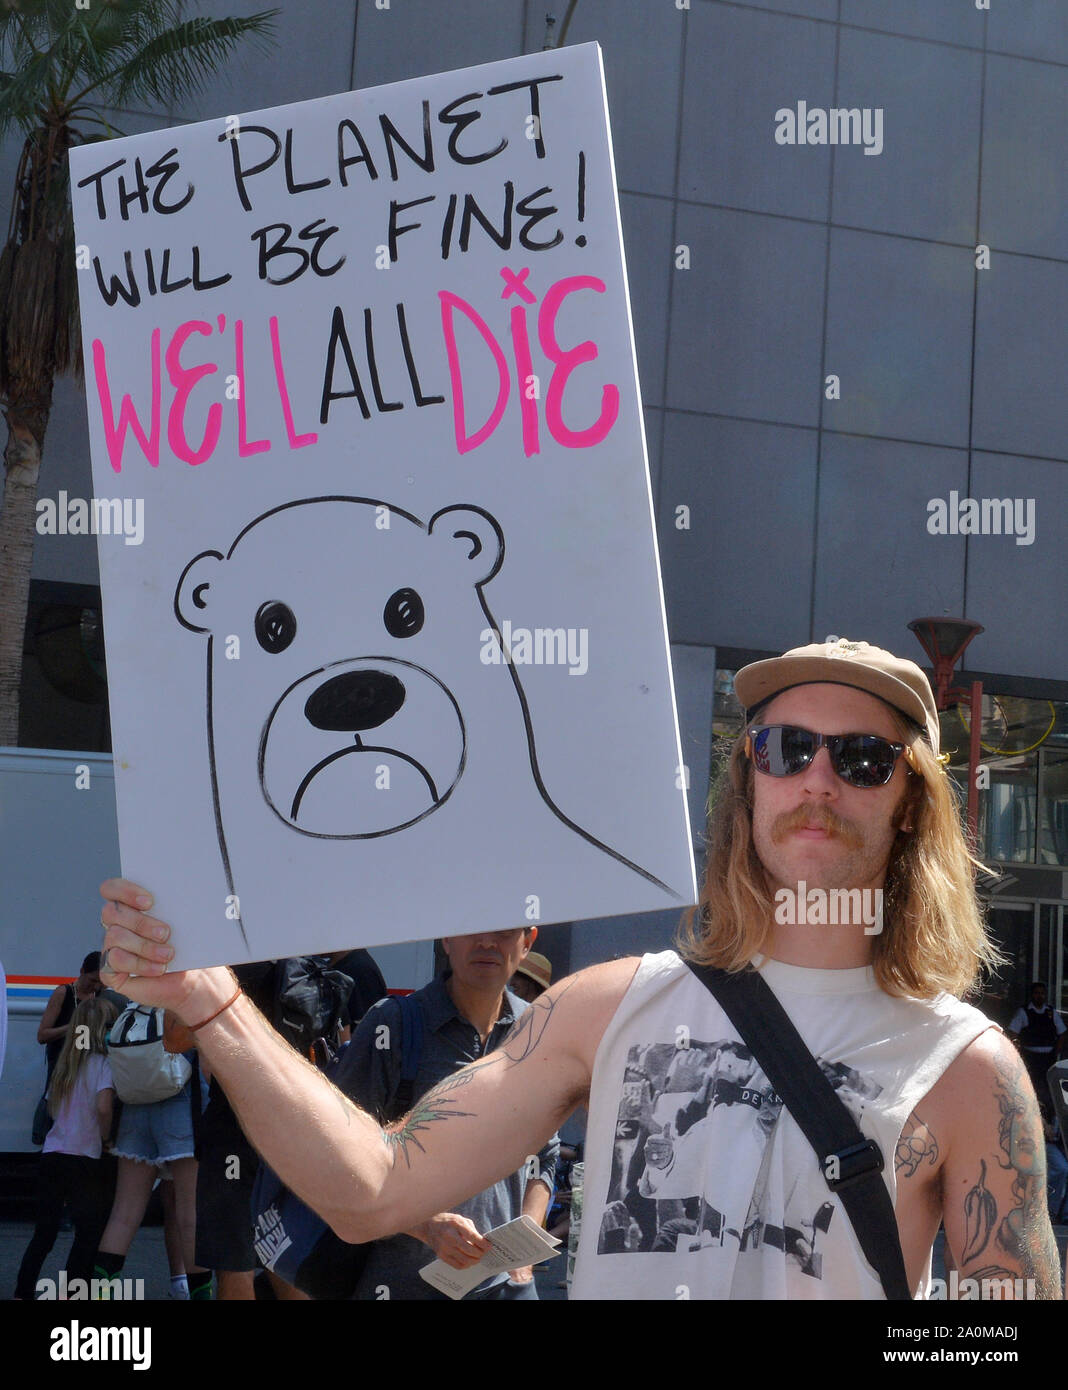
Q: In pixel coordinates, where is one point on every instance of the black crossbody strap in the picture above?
(851, 1163)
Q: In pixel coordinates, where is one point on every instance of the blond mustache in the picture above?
(821, 817)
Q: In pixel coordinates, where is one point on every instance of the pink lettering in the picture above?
(183, 379)
(464, 442)
(296, 441)
(528, 401)
(115, 434)
(566, 362)
(245, 446)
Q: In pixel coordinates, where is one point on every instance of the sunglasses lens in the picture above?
(862, 760)
(865, 760)
(782, 751)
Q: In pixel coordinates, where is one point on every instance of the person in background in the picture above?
(80, 1099)
(533, 977)
(1056, 1166)
(368, 985)
(154, 1141)
(465, 1014)
(1040, 1031)
(52, 1029)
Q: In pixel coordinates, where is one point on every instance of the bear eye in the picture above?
(276, 626)
(403, 614)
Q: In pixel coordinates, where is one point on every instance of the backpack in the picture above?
(143, 1071)
(295, 1241)
(309, 1000)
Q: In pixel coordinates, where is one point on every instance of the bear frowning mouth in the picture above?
(360, 748)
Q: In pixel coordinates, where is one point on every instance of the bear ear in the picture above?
(475, 535)
(192, 597)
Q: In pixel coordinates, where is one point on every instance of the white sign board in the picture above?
(385, 632)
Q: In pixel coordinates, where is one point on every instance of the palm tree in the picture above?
(65, 65)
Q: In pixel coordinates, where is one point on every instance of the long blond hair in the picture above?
(933, 936)
(95, 1016)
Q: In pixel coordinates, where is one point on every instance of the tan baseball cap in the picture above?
(899, 682)
(537, 967)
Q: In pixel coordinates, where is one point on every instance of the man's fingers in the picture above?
(121, 939)
(122, 962)
(121, 890)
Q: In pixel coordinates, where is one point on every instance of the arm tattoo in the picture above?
(915, 1146)
(519, 1043)
(1025, 1233)
(437, 1104)
(980, 1214)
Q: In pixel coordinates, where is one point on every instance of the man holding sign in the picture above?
(834, 784)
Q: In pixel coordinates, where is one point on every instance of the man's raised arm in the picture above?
(472, 1129)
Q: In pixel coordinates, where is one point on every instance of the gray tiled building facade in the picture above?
(820, 354)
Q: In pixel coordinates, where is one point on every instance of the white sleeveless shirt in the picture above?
(698, 1183)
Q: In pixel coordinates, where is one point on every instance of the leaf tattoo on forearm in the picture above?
(521, 1040)
(980, 1214)
(437, 1104)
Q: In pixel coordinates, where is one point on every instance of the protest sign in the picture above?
(386, 646)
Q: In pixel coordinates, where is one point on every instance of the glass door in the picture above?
(1013, 927)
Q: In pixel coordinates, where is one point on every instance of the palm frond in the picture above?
(23, 95)
(177, 63)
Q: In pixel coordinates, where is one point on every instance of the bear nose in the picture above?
(356, 700)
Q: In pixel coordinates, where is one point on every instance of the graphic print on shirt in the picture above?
(682, 1110)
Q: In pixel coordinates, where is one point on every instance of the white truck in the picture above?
(58, 842)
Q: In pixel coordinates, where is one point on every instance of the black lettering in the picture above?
(391, 134)
(138, 194)
(535, 104)
(413, 375)
(343, 160)
(166, 286)
(310, 233)
(372, 366)
(241, 174)
(461, 123)
(167, 166)
(198, 283)
(533, 216)
(503, 238)
(130, 291)
(339, 335)
(292, 186)
(281, 247)
(98, 179)
(394, 230)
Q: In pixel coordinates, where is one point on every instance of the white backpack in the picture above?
(143, 1071)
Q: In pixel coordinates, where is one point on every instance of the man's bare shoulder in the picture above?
(979, 1065)
(580, 1007)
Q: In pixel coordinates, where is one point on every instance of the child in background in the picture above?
(80, 1100)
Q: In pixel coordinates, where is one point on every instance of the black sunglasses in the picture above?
(783, 750)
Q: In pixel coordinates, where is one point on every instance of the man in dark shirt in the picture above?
(1040, 1031)
(465, 1015)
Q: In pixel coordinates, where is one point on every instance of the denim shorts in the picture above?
(159, 1132)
